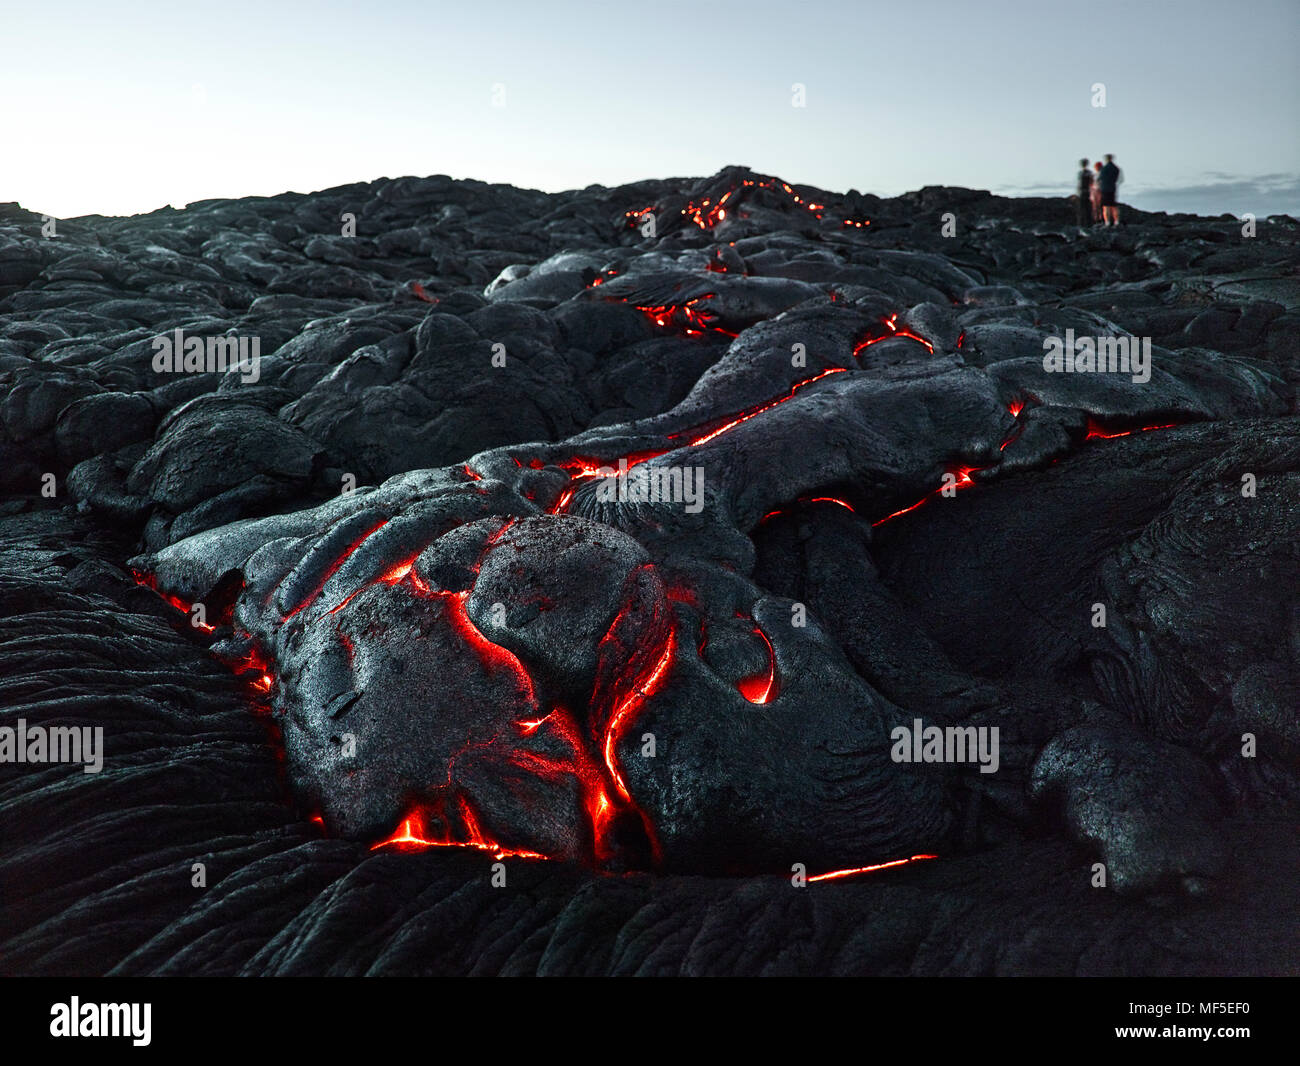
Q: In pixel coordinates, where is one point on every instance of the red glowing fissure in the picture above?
(334, 568)
(892, 331)
(1016, 407)
(592, 781)
(726, 427)
(413, 833)
(494, 657)
(832, 499)
(251, 666)
(961, 480)
(811, 499)
(834, 875)
(761, 687)
(151, 583)
(626, 709)
(1096, 431)
(962, 474)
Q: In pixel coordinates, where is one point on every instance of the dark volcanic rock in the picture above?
(619, 532)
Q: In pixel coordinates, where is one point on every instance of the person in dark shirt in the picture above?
(1084, 195)
(1108, 180)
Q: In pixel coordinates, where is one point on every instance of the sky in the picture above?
(119, 108)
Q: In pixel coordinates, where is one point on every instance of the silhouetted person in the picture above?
(1083, 207)
(1108, 178)
(1096, 193)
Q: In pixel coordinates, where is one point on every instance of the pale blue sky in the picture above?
(124, 107)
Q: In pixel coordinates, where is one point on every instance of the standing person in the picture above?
(1084, 194)
(1096, 193)
(1109, 178)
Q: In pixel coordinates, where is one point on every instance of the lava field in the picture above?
(475, 580)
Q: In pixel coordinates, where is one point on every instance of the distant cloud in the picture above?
(1272, 194)
(1216, 194)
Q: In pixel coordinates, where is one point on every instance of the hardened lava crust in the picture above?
(468, 579)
